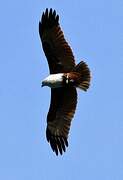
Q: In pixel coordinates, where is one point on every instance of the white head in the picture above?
(53, 80)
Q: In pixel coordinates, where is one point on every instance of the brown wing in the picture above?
(58, 52)
(62, 109)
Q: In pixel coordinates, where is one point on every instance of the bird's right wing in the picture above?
(58, 52)
(61, 112)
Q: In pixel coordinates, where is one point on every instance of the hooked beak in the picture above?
(43, 84)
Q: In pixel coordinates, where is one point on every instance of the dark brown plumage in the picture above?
(63, 99)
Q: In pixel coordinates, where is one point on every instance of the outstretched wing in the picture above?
(62, 109)
(58, 52)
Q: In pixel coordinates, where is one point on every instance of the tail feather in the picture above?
(81, 74)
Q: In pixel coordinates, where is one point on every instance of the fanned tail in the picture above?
(80, 76)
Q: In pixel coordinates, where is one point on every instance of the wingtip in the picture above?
(57, 143)
(50, 14)
(48, 20)
(46, 12)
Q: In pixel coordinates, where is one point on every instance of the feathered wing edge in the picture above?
(58, 143)
(49, 19)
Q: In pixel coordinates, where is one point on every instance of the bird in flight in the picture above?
(65, 76)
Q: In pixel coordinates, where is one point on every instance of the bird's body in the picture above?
(65, 76)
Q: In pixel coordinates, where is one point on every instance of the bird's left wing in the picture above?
(62, 109)
(58, 52)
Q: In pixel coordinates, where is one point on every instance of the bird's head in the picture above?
(53, 80)
(46, 82)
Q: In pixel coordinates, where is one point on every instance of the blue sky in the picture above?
(94, 29)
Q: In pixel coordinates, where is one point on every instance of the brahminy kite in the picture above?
(65, 76)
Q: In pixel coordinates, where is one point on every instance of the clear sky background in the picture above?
(94, 29)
